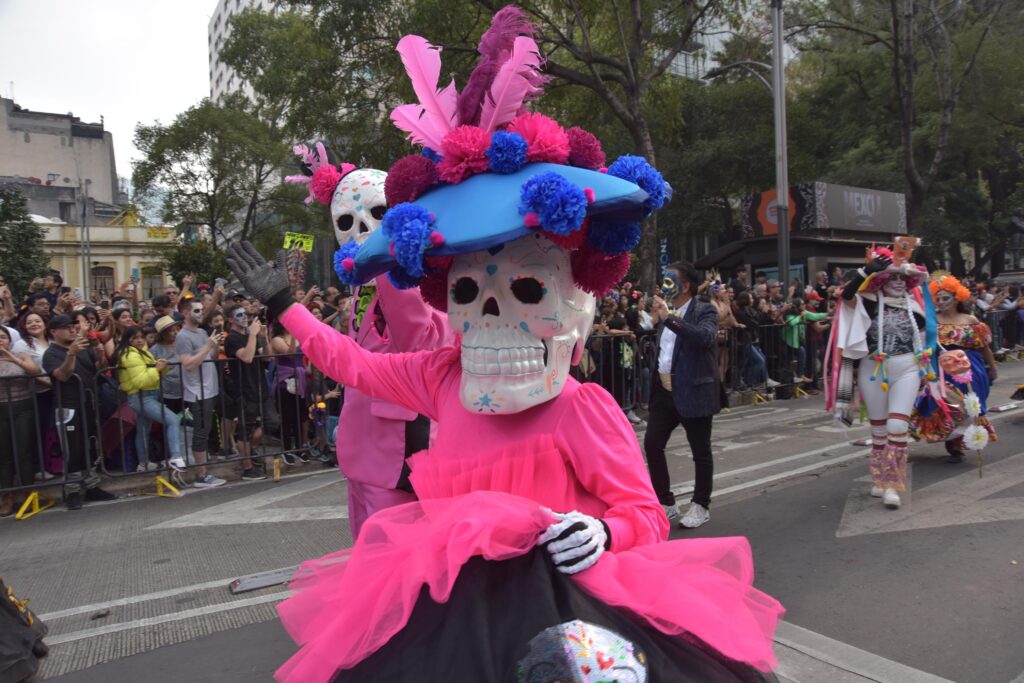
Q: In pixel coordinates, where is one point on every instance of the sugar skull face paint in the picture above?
(895, 286)
(523, 322)
(944, 301)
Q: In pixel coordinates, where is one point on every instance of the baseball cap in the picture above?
(60, 321)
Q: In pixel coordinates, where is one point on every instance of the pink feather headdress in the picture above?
(323, 176)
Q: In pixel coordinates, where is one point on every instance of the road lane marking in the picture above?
(133, 599)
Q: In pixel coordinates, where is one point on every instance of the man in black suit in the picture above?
(686, 390)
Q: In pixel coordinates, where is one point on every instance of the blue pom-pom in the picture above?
(636, 170)
(408, 226)
(401, 278)
(346, 251)
(560, 206)
(431, 154)
(614, 238)
(507, 152)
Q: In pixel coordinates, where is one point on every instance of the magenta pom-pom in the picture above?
(325, 180)
(434, 288)
(409, 178)
(603, 169)
(571, 242)
(464, 152)
(588, 192)
(436, 238)
(546, 140)
(596, 273)
(584, 149)
(531, 220)
(348, 264)
(391, 248)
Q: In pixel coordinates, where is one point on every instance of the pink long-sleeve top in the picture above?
(602, 453)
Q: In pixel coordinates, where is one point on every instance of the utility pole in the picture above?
(781, 154)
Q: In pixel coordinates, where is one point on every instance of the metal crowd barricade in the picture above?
(752, 356)
(1005, 325)
(36, 439)
(614, 362)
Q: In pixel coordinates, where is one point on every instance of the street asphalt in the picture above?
(137, 589)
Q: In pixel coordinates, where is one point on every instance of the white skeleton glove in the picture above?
(575, 541)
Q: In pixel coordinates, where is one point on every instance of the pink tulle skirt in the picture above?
(350, 603)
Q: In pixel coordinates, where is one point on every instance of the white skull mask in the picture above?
(358, 205)
(523, 323)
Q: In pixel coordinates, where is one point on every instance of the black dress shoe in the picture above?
(73, 501)
(96, 495)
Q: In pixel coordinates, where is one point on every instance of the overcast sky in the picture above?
(127, 60)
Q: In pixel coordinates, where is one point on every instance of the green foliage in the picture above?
(22, 254)
(201, 258)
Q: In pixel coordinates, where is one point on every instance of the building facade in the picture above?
(223, 79)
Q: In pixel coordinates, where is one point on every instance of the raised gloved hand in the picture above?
(878, 265)
(575, 541)
(666, 380)
(268, 282)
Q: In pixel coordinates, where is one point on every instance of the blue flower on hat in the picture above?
(409, 229)
(558, 206)
(636, 169)
(507, 153)
(344, 263)
(614, 238)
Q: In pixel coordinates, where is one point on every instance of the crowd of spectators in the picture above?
(153, 382)
(198, 369)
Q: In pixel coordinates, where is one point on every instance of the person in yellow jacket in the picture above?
(138, 374)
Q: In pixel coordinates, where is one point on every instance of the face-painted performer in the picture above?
(375, 436)
(882, 325)
(534, 500)
(969, 369)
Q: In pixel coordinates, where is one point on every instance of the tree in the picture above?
(215, 165)
(202, 258)
(22, 254)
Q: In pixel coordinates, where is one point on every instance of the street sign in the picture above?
(298, 240)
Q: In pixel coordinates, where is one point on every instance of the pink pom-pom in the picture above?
(546, 140)
(325, 179)
(391, 248)
(588, 192)
(348, 264)
(596, 273)
(409, 178)
(434, 288)
(464, 152)
(584, 149)
(436, 238)
(603, 169)
(531, 220)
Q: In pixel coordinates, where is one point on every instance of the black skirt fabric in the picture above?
(521, 621)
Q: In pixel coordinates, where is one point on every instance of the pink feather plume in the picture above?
(517, 80)
(413, 120)
(495, 48)
(422, 63)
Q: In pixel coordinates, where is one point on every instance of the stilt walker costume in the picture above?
(536, 550)
(375, 436)
(882, 325)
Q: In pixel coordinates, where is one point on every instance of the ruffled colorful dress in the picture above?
(936, 425)
(453, 587)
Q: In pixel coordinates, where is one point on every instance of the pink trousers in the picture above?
(366, 499)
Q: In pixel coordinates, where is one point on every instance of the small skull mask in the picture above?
(358, 205)
(523, 323)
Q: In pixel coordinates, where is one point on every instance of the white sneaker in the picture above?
(695, 517)
(208, 482)
(876, 491)
(672, 512)
(772, 383)
(633, 417)
(891, 499)
(177, 463)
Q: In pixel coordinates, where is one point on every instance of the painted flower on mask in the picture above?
(976, 437)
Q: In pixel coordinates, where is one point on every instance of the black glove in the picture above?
(878, 265)
(268, 282)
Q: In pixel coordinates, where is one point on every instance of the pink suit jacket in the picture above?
(371, 431)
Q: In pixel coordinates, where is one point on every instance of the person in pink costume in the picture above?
(537, 549)
(375, 436)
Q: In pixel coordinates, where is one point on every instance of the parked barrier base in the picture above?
(798, 392)
(164, 488)
(33, 505)
(277, 468)
(760, 399)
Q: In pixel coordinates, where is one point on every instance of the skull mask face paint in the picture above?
(895, 286)
(944, 301)
(523, 323)
(358, 205)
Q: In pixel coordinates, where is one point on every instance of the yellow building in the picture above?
(116, 253)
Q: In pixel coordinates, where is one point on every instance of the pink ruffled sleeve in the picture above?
(608, 463)
(410, 380)
(413, 324)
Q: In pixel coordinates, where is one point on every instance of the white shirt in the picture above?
(668, 342)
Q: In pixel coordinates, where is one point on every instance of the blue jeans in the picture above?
(755, 368)
(148, 407)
